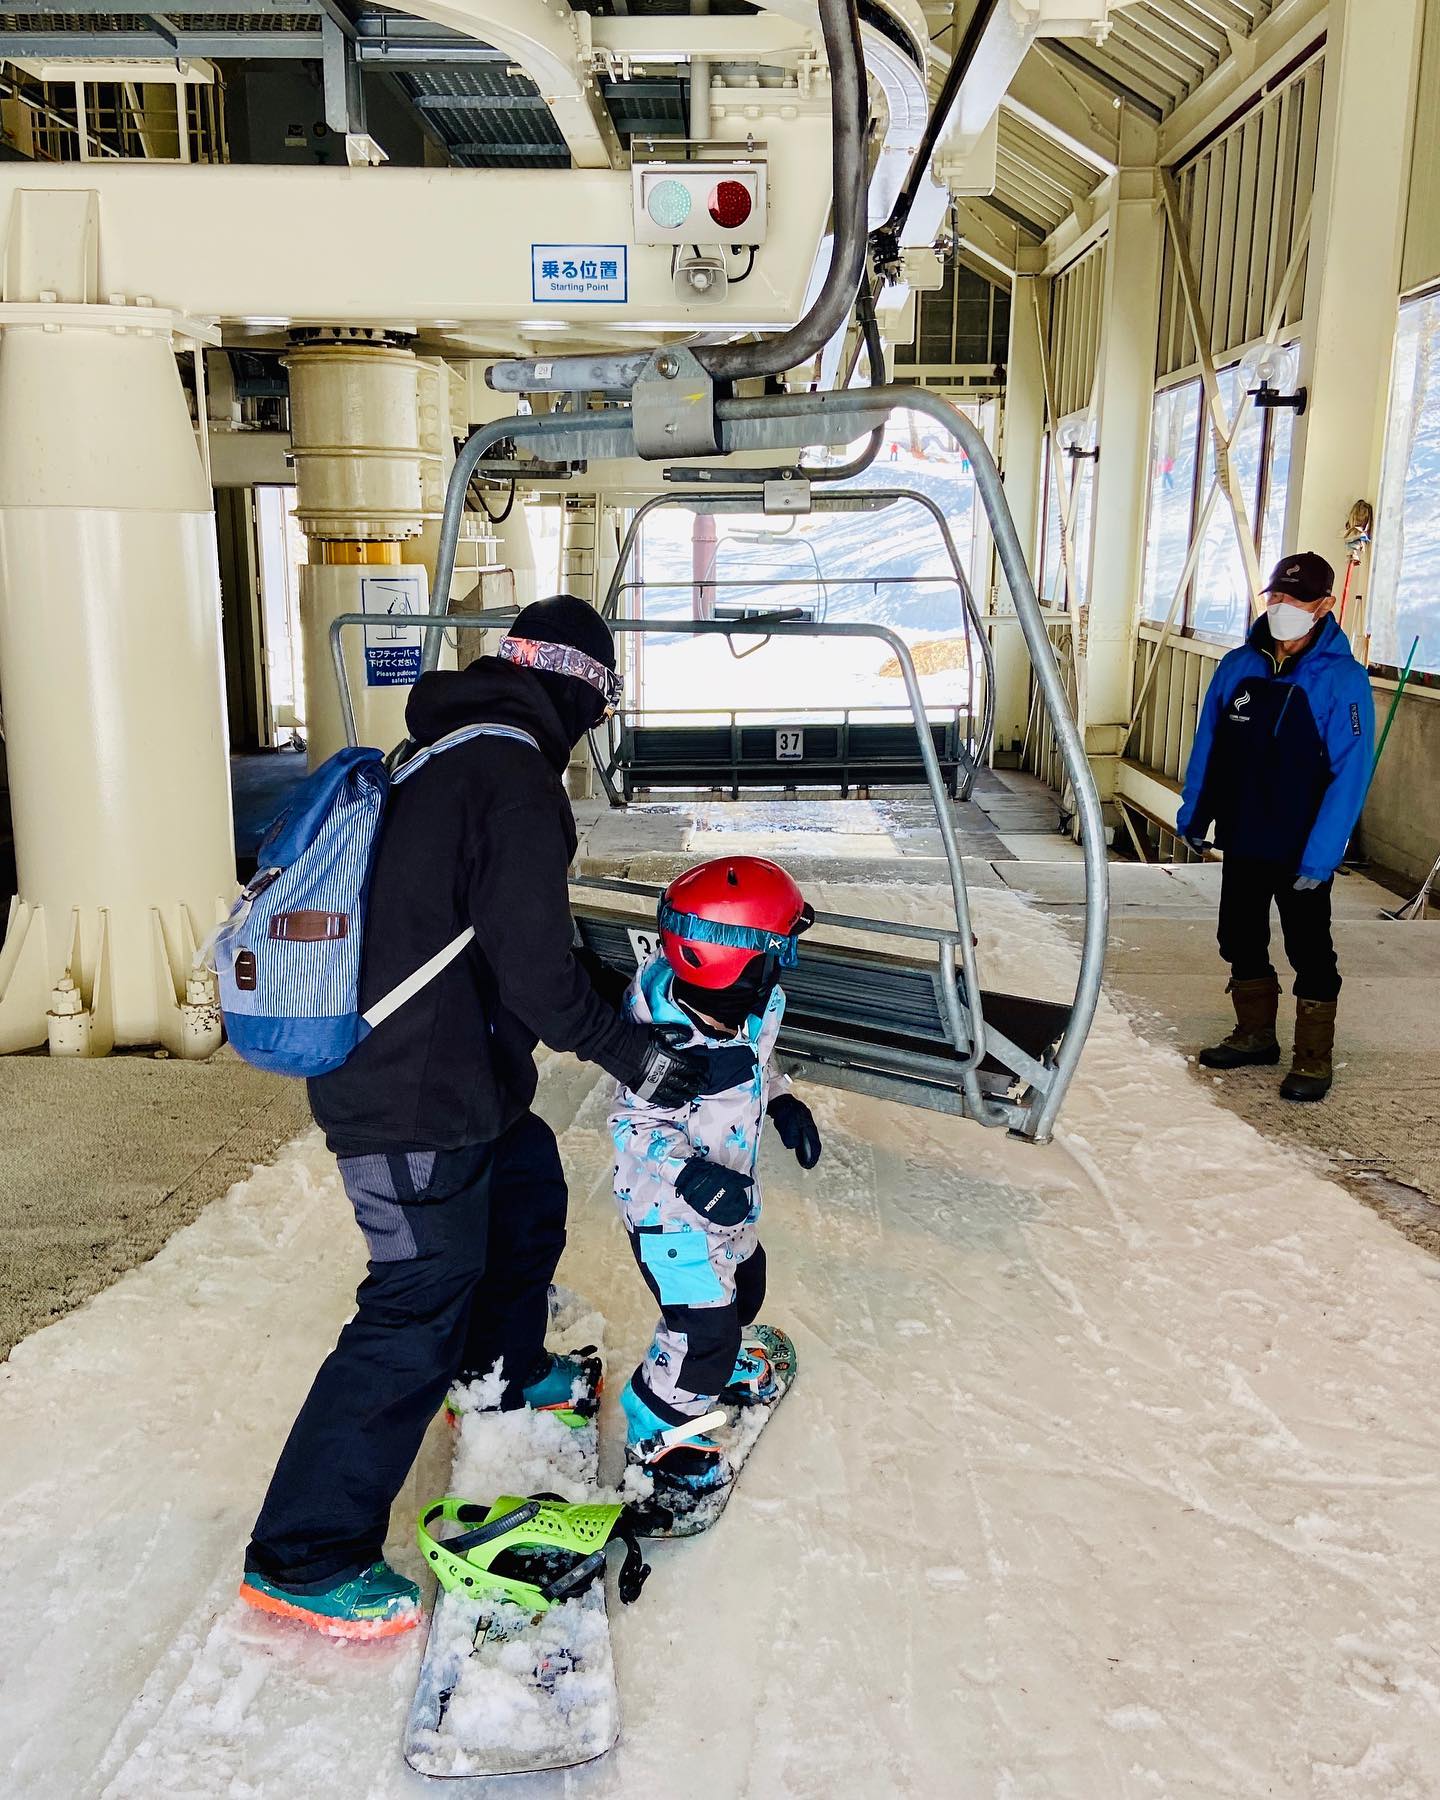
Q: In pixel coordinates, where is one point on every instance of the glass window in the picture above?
(1174, 445)
(1405, 584)
(1052, 581)
(1272, 526)
(1078, 473)
(1220, 605)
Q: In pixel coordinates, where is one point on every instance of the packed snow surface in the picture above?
(1112, 1470)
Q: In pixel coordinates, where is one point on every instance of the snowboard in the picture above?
(689, 1514)
(502, 1691)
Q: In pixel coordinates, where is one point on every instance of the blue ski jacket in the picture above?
(1282, 752)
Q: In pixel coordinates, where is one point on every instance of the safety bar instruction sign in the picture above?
(579, 274)
(392, 648)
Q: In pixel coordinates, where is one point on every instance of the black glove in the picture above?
(1198, 844)
(608, 983)
(721, 1196)
(795, 1122)
(673, 1075)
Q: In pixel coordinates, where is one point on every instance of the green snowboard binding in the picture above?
(532, 1552)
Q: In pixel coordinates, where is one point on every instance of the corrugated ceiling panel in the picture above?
(1243, 200)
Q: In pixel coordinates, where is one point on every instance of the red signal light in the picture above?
(730, 204)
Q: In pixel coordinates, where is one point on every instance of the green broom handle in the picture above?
(1394, 702)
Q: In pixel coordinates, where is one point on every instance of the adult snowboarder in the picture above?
(456, 1184)
(1280, 765)
(686, 1178)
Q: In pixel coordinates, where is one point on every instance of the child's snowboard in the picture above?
(691, 1513)
(507, 1687)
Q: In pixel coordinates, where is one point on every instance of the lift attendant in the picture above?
(1280, 765)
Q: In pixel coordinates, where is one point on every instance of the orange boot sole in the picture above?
(355, 1629)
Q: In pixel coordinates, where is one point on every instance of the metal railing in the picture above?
(850, 499)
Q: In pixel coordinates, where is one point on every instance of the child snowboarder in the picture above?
(685, 1179)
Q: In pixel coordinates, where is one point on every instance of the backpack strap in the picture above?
(426, 973)
(452, 739)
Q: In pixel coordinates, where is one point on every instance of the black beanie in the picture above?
(566, 619)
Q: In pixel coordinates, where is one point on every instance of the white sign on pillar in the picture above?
(392, 648)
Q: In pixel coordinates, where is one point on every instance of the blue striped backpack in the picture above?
(288, 957)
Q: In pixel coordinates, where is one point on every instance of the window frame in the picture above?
(1259, 499)
(1426, 681)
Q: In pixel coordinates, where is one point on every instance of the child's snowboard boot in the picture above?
(683, 1460)
(378, 1603)
(566, 1385)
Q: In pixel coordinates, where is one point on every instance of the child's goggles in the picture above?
(564, 659)
(784, 946)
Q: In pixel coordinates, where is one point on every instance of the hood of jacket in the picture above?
(1328, 643)
(488, 692)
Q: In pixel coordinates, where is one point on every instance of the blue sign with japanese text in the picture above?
(579, 274)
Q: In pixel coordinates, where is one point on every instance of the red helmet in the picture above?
(715, 918)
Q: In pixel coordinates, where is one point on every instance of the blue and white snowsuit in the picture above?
(709, 1280)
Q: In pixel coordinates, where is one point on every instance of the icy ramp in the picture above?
(1112, 1472)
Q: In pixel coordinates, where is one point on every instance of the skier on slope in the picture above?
(1281, 762)
(456, 1184)
(685, 1179)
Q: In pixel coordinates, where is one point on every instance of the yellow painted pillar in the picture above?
(1022, 466)
(1124, 397)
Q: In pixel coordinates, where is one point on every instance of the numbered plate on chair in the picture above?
(789, 745)
(644, 944)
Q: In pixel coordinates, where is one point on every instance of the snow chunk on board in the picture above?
(501, 1692)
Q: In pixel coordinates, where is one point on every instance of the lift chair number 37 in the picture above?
(789, 746)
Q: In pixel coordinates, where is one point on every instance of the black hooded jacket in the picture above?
(482, 836)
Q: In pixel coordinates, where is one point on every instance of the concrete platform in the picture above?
(100, 1162)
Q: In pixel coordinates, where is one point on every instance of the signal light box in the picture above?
(699, 202)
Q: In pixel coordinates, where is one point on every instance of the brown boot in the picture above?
(1253, 1040)
(1311, 1072)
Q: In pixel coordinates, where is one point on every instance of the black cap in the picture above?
(1304, 576)
(565, 619)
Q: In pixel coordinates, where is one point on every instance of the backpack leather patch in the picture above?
(309, 926)
(245, 971)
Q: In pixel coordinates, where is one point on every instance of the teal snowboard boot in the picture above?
(567, 1385)
(683, 1461)
(380, 1603)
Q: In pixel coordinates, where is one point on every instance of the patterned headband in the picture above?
(564, 659)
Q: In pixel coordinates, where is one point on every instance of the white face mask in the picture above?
(1288, 622)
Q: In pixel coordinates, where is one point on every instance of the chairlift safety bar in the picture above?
(793, 421)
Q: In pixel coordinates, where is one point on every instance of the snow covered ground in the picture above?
(1112, 1470)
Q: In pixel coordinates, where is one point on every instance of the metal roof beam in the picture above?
(1106, 78)
(1052, 102)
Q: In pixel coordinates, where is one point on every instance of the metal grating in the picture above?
(487, 117)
